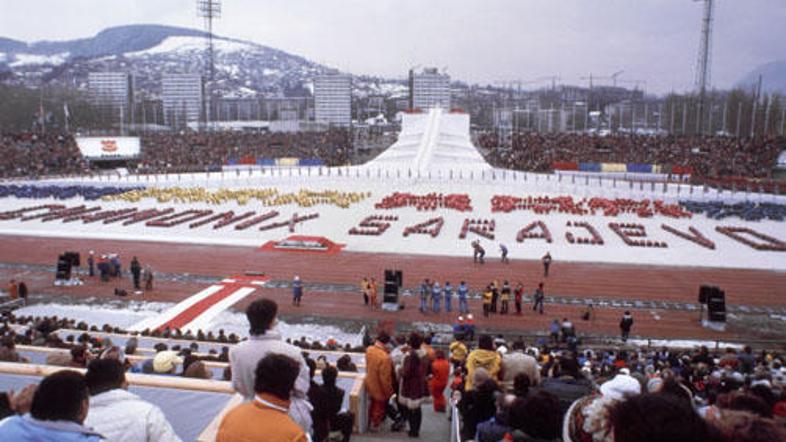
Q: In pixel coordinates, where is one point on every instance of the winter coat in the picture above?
(492, 430)
(320, 416)
(379, 373)
(567, 389)
(243, 359)
(440, 371)
(13, 291)
(260, 420)
(488, 359)
(517, 362)
(123, 417)
(477, 406)
(26, 428)
(413, 389)
(626, 323)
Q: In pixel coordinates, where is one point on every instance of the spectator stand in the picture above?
(147, 343)
(156, 388)
(188, 404)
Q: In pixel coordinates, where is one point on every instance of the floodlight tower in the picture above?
(209, 10)
(703, 64)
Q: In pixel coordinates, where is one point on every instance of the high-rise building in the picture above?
(113, 92)
(429, 89)
(333, 99)
(183, 98)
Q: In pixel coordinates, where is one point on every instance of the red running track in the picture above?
(680, 284)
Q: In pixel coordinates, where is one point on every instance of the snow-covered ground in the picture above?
(124, 315)
(28, 59)
(334, 223)
(434, 154)
(189, 44)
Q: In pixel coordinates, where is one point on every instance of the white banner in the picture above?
(108, 147)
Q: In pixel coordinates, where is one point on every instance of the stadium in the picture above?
(270, 280)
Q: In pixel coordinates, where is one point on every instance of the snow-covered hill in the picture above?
(148, 51)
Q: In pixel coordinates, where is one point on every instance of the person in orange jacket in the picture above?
(13, 289)
(379, 379)
(440, 370)
(373, 291)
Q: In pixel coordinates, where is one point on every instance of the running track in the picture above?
(568, 279)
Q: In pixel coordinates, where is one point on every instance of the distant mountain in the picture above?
(242, 68)
(773, 77)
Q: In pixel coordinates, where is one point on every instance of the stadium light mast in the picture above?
(209, 10)
(703, 65)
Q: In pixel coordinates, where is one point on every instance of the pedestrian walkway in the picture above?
(435, 427)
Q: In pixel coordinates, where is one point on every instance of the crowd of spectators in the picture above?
(550, 392)
(32, 155)
(40, 331)
(37, 155)
(504, 389)
(707, 156)
(196, 151)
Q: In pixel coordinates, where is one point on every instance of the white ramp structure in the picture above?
(432, 142)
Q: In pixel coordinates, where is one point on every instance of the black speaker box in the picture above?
(704, 293)
(716, 305)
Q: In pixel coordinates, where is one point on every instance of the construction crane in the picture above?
(613, 77)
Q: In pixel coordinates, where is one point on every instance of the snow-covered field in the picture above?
(124, 315)
(334, 223)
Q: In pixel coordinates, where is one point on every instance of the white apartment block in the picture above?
(333, 99)
(182, 96)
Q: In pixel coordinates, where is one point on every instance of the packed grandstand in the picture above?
(459, 226)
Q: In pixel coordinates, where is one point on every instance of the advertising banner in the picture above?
(97, 148)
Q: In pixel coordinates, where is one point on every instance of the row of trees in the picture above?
(735, 113)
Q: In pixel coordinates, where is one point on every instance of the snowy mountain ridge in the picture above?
(242, 68)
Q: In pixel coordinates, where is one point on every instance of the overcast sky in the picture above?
(477, 40)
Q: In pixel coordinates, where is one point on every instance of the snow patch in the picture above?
(682, 343)
(118, 314)
(33, 59)
(182, 44)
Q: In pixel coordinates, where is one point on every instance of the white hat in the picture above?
(165, 361)
(297, 278)
(620, 386)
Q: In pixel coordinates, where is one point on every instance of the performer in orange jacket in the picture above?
(440, 370)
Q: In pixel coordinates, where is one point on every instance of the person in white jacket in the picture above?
(121, 416)
(245, 356)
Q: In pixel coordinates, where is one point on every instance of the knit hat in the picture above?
(165, 361)
(620, 386)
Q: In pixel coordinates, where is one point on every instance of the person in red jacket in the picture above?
(440, 370)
